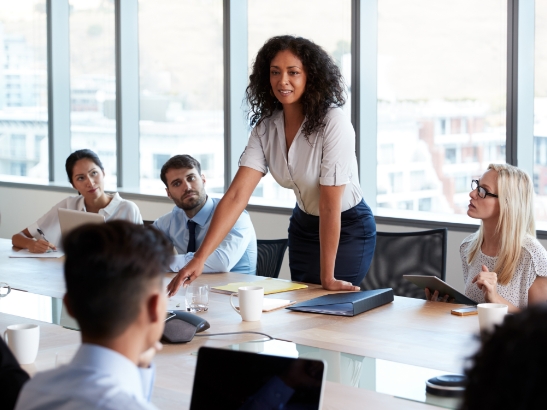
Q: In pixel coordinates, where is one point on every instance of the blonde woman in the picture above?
(503, 262)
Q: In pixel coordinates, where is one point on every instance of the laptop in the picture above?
(70, 219)
(236, 380)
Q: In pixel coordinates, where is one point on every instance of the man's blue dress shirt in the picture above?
(236, 253)
(97, 378)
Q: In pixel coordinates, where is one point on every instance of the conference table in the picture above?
(413, 334)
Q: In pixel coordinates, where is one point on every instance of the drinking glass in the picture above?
(197, 298)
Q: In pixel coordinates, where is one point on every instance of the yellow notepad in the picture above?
(270, 286)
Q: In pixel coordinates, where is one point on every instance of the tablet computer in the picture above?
(70, 219)
(433, 283)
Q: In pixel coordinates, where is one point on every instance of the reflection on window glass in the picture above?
(181, 88)
(93, 82)
(540, 111)
(325, 22)
(23, 90)
(441, 99)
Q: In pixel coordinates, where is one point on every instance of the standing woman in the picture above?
(302, 136)
(85, 172)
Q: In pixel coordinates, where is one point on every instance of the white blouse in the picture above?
(532, 263)
(118, 208)
(327, 157)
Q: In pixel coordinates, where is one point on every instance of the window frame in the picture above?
(364, 39)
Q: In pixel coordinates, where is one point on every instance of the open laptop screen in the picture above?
(232, 380)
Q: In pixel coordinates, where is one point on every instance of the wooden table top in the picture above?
(409, 331)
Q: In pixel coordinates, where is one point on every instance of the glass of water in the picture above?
(197, 298)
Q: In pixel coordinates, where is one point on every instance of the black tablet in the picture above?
(433, 283)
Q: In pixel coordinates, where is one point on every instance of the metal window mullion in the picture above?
(58, 84)
(520, 84)
(236, 129)
(127, 94)
(364, 93)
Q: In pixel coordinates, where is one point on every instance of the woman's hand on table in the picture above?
(335, 284)
(186, 275)
(487, 282)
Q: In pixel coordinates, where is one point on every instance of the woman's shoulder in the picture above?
(336, 114)
(534, 248)
(467, 240)
(71, 202)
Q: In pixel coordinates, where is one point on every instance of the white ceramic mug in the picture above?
(490, 314)
(251, 299)
(23, 340)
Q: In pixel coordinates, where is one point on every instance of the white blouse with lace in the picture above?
(532, 263)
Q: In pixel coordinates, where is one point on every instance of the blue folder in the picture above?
(345, 304)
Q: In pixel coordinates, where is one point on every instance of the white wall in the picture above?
(19, 207)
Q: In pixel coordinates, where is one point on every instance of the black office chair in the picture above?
(270, 256)
(406, 253)
(146, 223)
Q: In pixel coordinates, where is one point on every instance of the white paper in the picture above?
(25, 253)
(272, 304)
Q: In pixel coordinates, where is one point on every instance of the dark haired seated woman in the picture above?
(86, 174)
(305, 140)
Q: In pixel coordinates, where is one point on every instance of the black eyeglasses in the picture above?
(482, 192)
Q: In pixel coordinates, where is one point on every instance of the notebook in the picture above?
(270, 285)
(236, 380)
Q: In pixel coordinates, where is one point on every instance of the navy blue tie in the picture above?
(192, 236)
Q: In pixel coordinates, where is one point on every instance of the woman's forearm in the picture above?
(20, 240)
(228, 210)
(330, 204)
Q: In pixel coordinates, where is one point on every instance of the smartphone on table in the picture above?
(465, 311)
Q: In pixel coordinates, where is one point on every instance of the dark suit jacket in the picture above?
(12, 377)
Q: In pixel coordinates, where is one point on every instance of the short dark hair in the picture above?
(108, 268)
(178, 162)
(325, 86)
(78, 155)
(508, 372)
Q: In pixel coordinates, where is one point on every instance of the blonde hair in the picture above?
(516, 220)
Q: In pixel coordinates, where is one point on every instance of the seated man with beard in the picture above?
(188, 222)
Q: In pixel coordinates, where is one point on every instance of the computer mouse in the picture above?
(182, 326)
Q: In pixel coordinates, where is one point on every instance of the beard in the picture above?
(190, 203)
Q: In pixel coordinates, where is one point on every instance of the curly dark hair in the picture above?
(324, 83)
(509, 370)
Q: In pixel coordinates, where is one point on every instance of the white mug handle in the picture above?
(6, 336)
(232, 303)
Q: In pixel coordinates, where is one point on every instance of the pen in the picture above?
(42, 233)
(45, 239)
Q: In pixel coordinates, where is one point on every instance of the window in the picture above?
(93, 82)
(540, 111)
(181, 87)
(438, 87)
(326, 22)
(23, 88)
(159, 160)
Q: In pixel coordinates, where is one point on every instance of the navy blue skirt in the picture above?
(355, 249)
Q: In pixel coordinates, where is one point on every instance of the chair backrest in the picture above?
(406, 253)
(145, 222)
(270, 256)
